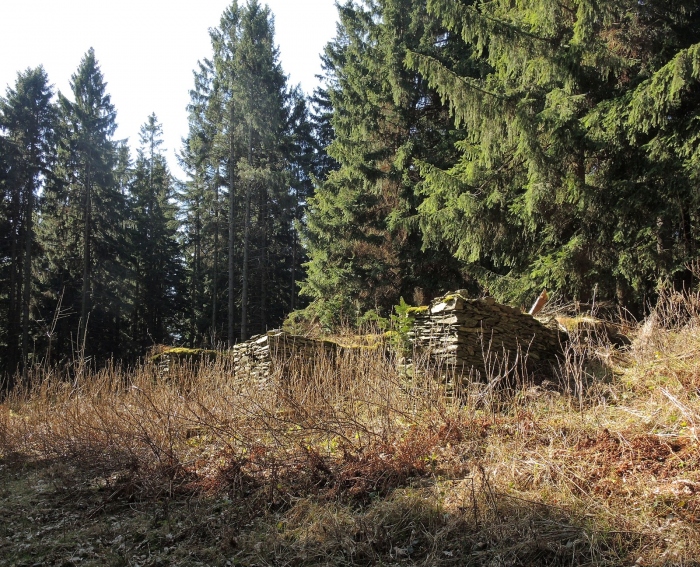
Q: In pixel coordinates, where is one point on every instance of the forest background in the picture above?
(492, 146)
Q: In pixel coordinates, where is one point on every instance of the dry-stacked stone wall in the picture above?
(257, 357)
(468, 335)
(261, 354)
(463, 333)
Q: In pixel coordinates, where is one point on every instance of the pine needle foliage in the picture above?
(577, 169)
(364, 251)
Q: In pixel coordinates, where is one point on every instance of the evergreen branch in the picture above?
(651, 104)
(457, 16)
(654, 99)
(466, 98)
(427, 65)
(445, 179)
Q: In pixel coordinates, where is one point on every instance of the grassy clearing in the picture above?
(348, 463)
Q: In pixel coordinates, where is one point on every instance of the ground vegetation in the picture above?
(354, 463)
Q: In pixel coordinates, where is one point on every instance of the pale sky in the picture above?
(147, 50)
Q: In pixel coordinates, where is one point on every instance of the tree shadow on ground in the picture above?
(54, 514)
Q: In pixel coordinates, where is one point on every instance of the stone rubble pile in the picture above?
(462, 333)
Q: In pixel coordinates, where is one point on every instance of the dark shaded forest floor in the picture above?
(55, 514)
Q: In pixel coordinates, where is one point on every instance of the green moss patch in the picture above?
(182, 353)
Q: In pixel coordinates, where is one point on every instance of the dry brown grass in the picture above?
(348, 462)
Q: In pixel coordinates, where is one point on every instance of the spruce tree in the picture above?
(305, 157)
(573, 174)
(243, 154)
(84, 226)
(156, 272)
(199, 207)
(225, 41)
(27, 116)
(260, 90)
(7, 183)
(364, 253)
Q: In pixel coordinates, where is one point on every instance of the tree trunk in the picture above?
(216, 265)
(136, 317)
(685, 278)
(264, 258)
(231, 229)
(246, 244)
(14, 310)
(293, 290)
(82, 329)
(196, 288)
(28, 240)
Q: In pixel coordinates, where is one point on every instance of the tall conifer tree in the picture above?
(8, 335)
(157, 270)
(247, 130)
(27, 117)
(195, 207)
(364, 254)
(85, 229)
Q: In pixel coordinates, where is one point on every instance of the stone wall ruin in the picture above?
(472, 337)
(262, 354)
(478, 336)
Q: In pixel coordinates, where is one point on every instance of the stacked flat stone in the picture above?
(262, 354)
(460, 333)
